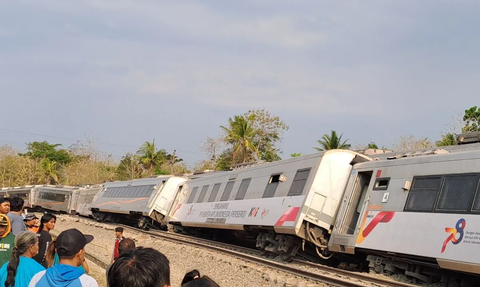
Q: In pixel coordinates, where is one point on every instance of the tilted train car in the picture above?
(127, 201)
(25, 192)
(279, 203)
(414, 215)
(55, 198)
(161, 202)
(83, 199)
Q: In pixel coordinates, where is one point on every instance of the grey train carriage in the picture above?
(279, 203)
(415, 214)
(128, 201)
(54, 198)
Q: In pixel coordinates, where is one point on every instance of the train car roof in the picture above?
(139, 181)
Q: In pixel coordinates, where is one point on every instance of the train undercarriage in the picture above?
(134, 219)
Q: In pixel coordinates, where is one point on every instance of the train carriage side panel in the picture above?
(54, 198)
(161, 202)
(85, 198)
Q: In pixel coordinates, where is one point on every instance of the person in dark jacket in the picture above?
(47, 223)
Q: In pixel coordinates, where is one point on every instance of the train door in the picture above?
(353, 204)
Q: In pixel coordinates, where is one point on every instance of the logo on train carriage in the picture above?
(189, 210)
(456, 233)
(381, 217)
(253, 212)
(265, 212)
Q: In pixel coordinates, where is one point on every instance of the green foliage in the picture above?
(40, 150)
(225, 161)
(49, 173)
(240, 135)
(447, 140)
(472, 120)
(332, 141)
(150, 157)
(372, 145)
(295, 154)
(129, 167)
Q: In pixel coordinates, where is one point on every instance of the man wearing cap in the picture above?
(31, 222)
(70, 247)
(7, 239)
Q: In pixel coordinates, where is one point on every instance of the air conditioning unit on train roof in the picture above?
(466, 138)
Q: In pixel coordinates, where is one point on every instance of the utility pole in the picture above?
(172, 162)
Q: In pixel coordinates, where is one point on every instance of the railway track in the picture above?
(305, 269)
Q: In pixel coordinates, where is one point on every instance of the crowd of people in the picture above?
(29, 257)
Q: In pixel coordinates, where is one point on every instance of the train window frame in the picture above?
(203, 192)
(192, 195)
(242, 189)
(228, 190)
(378, 181)
(471, 201)
(214, 192)
(303, 182)
(414, 191)
(272, 185)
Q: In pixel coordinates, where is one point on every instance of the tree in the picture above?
(268, 133)
(49, 173)
(150, 157)
(372, 145)
(240, 135)
(41, 150)
(447, 139)
(410, 142)
(295, 154)
(332, 141)
(472, 120)
(129, 167)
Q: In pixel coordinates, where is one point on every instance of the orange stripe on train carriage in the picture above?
(128, 201)
(48, 202)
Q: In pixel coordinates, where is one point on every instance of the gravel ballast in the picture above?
(224, 269)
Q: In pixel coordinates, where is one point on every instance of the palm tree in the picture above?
(150, 157)
(332, 141)
(240, 134)
(49, 172)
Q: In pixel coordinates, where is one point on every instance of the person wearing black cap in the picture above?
(70, 247)
(7, 239)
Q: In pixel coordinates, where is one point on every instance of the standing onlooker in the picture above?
(47, 223)
(16, 220)
(7, 239)
(52, 258)
(31, 222)
(21, 268)
(4, 205)
(142, 267)
(71, 250)
(125, 246)
(118, 237)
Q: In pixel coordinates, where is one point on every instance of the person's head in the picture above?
(4, 205)
(203, 281)
(70, 246)
(4, 225)
(30, 220)
(16, 204)
(47, 222)
(142, 267)
(119, 232)
(125, 246)
(192, 275)
(26, 244)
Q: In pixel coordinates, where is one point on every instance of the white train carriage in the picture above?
(414, 215)
(127, 201)
(161, 202)
(55, 198)
(25, 192)
(83, 199)
(277, 202)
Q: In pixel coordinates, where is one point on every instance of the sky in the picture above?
(119, 73)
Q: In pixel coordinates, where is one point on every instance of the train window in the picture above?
(192, 195)
(423, 193)
(242, 190)
(227, 191)
(299, 182)
(457, 192)
(381, 183)
(271, 186)
(202, 194)
(214, 193)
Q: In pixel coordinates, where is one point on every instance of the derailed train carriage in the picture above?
(279, 203)
(128, 201)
